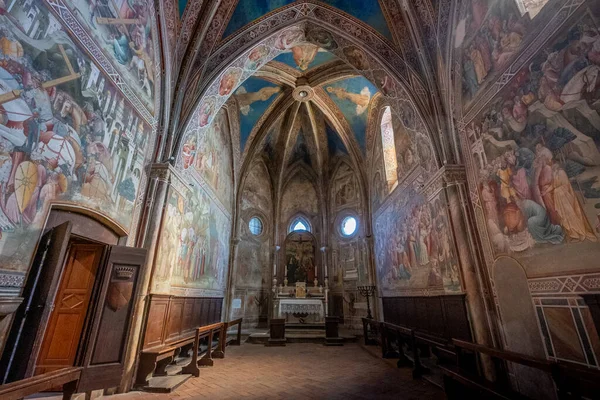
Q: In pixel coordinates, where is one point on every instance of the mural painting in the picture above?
(66, 134)
(300, 252)
(299, 196)
(537, 149)
(193, 250)
(493, 32)
(353, 96)
(252, 264)
(123, 28)
(253, 97)
(247, 11)
(253, 252)
(367, 11)
(211, 158)
(413, 245)
(345, 187)
(305, 57)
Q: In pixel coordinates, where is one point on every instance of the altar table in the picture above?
(301, 306)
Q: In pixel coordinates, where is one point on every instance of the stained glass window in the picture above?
(299, 225)
(256, 226)
(389, 148)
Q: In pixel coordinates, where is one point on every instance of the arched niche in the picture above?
(520, 326)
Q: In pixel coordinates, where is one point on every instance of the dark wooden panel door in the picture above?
(21, 349)
(108, 332)
(61, 340)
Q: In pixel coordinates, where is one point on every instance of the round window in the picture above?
(256, 226)
(349, 226)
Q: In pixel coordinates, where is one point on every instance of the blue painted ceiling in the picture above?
(368, 11)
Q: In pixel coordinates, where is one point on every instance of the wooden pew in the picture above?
(154, 361)
(67, 377)
(371, 331)
(206, 360)
(223, 342)
(464, 379)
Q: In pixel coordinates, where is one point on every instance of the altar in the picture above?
(304, 309)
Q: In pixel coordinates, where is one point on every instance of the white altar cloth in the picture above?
(301, 306)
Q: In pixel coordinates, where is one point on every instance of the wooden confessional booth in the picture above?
(78, 302)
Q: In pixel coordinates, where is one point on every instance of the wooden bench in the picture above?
(154, 361)
(223, 342)
(68, 378)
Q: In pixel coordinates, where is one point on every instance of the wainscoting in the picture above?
(442, 316)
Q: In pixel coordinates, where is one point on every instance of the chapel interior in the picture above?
(290, 199)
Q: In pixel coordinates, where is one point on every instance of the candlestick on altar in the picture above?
(367, 291)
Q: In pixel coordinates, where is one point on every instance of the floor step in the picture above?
(166, 384)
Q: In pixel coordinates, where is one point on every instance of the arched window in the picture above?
(389, 148)
(299, 224)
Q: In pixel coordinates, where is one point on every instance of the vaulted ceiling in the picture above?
(314, 92)
(305, 107)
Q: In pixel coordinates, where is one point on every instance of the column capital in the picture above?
(161, 171)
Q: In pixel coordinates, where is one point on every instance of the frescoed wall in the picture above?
(299, 196)
(534, 148)
(193, 250)
(353, 96)
(66, 133)
(124, 31)
(537, 149)
(414, 247)
(210, 157)
(252, 262)
(492, 33)
(349, 263)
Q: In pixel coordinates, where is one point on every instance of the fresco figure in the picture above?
(413, 247)
(66, 134)
(494, 35)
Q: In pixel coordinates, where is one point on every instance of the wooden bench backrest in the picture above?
(171, 318)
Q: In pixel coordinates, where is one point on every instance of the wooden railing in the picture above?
(459, 361)
(66, 377)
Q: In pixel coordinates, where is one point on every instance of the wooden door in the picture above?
(30, 319)
(63, 333)
(108, 332)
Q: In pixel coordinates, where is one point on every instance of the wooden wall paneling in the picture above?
(175, 318)
(204, 313)
(197, 313)
(443, 316)
(157, 314)
(188, 314)
(457, 320)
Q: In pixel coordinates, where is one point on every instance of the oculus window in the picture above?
(256, 226)
(349, 226)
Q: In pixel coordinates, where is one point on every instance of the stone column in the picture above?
(472, 264)
(156, 195)
(230, 278)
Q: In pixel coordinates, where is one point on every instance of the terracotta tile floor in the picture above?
(300, 371)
